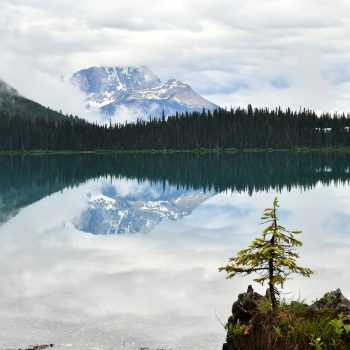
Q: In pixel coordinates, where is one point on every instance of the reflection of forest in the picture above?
(25, 180)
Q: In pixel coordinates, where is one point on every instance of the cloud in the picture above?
(125, 113)
(266, 53)
(305, 84)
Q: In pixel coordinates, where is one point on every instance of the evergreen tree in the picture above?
(272, 255)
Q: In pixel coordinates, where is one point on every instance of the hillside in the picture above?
(13, 104)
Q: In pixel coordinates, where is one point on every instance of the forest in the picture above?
(235, 128)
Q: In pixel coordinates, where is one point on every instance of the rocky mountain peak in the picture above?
(138, 88)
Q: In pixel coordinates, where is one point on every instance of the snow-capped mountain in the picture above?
(138, 89)
(120, 215)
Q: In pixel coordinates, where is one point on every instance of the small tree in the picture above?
(272, 255)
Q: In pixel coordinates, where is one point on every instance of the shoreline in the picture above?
(174, 151)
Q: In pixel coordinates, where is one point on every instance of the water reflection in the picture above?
(25, 180)
(112, 210)
(161, 290)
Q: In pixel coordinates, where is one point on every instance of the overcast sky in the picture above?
(234, 52)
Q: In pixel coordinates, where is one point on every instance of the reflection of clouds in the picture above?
(340, 221)
(218, 217)
(110, 279)
(133, 188)
(324, 247)
(161, 289)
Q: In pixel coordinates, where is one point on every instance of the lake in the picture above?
(122, 251)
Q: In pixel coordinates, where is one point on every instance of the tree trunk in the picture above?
(271, 269)
(271, 286)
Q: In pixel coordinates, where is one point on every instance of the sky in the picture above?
(265, 52)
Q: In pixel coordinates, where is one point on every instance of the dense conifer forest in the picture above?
(221, 129)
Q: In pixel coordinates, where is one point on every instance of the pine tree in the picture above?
(272, 255)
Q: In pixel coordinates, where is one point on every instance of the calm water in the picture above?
(121, 252)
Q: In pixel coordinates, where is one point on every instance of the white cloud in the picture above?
(220, 48)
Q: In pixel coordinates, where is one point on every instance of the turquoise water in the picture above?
(121, 252)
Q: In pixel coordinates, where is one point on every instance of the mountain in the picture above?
(13, 104)
(6, 90)
(110, 214)
(138, 89)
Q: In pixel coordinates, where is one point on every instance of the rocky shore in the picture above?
(325, 324)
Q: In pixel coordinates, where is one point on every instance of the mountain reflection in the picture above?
(110, 212)
(25, 180)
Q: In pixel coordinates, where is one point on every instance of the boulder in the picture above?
(335, 300)
(244, 310)
(245, 306)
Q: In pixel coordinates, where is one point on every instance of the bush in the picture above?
(292, 326)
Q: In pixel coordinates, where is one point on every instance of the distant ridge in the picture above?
(137, 88)
(13, 104)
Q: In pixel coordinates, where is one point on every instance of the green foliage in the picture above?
(234, 331)
(278, 331)
(272, 255)
(346, 329)
(328, 297)
(338, 325)
(311, 326)
(293, 326)
(296, 307)
(264, 306)
(317, 343)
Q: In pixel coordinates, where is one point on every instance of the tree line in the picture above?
(219, 129)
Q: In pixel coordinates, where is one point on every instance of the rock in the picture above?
(258, 333)
(244, 307)
(39, 347)
(334, 300)
(227, 346)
